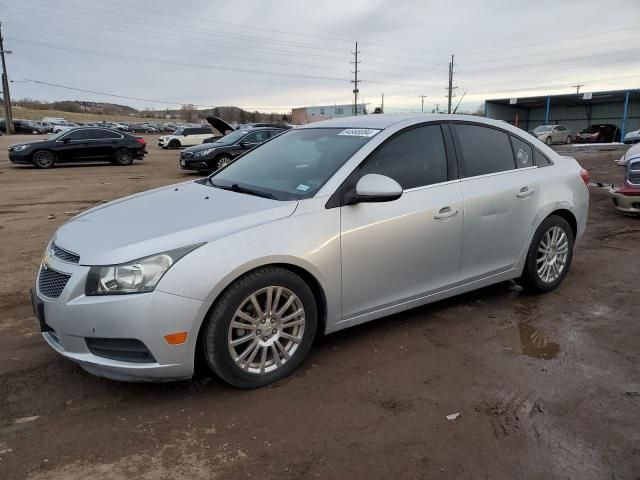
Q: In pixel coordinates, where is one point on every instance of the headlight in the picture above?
(19, 148)
(137, 276)
(203, 153)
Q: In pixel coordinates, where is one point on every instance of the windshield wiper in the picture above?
(237, 188)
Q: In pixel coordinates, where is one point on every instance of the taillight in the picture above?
(584, 173)
(141, 140)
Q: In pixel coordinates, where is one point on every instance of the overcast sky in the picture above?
(278, 54)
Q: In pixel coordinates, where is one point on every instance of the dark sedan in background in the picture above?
(599, 133)
(213, 156)
(79, 145)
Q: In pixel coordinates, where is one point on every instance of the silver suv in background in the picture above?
(323, 227)
(551, 134)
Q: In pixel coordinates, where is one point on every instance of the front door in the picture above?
(397, 251)
(73, 146)
(501, 193)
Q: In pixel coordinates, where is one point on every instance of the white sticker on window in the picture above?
(302, 187)
(359, 132)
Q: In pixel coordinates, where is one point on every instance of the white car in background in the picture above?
(632, 137)
(62, 128)
(185, 137)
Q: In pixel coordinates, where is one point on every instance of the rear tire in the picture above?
(123, 157)
(280, 314)
(568, 140)
(549, 256)
(44, 159)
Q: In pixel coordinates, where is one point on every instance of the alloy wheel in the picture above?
(43, 159)
(552, 254)
(266, 329)
(223, 162)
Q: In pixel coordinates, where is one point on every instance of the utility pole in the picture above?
(437, 108)
(422, 97)
(382, 104)
(355, 80)
(450, 95)
(578, 87)
(8, 117)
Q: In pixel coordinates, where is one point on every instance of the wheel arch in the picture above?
(568, 216)
(314, 284)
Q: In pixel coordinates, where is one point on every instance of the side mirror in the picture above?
(245, 145)
(377, 188)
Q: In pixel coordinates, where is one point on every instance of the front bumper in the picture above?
(194, 164)
(21, 158)
(625, 203)
(72, 318)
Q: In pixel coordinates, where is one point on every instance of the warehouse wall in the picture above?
(508, 113)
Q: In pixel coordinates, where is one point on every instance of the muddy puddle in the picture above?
(525, 339)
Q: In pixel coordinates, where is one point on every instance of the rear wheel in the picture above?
(123, 157)
(549, 255)
(261, 328)
(44, 159)
(568, 140)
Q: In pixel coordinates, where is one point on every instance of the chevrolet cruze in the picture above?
(326, 226)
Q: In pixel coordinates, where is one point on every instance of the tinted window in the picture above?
(256, 137)
(483, 150)
(98, 134)
(413, 159)
(523, 153)
(201, 131)
(76, 135)
(542, 160)
(561, 128)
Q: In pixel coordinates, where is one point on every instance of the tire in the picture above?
(567, 140)
(548, 141)
(222, 161)
(534, 276)
(44, 159)
(174, 144)
(245, 364)
(123, 157)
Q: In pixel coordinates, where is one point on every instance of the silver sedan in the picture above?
(321, 228)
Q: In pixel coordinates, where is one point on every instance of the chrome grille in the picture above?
(634, 178)
(51, 283)
(64, 255)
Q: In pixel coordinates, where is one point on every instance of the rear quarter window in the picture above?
(541, 159)
(523, 153)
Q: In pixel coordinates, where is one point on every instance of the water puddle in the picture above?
(525, 339)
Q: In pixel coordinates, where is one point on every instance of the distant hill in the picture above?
(187, 113)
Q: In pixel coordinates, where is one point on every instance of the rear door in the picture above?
(398, 251)
(500, 197)
(103, 143)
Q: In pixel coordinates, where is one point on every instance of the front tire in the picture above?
(44, 159)
(549, 256)
(548, 141)
(123, 157)
(261, 328)
(222, 161)
(174, 144)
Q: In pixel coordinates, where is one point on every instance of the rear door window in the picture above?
(102, 134)
(523, 153)
(414, 158)
(482, 150)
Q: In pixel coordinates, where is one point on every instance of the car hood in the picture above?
(220, 125)
(32, 142)
(164, 219)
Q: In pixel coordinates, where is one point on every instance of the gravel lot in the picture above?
(547, 386)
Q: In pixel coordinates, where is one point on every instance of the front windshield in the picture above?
(293, 165)
(55, 136)
(543, 129)
(231, 138)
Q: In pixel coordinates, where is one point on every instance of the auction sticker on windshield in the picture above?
(359, 132)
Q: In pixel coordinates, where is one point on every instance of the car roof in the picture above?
(386, 120)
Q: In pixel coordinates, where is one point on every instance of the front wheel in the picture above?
(44, 159)
(222, 161)
(174, 144)
(261, 329)
(548, 141)
(549, 255)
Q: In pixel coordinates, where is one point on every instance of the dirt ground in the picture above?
(546, 386)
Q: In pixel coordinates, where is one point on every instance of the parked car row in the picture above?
(597, 133)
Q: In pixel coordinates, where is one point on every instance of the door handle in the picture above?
(445, 212)
(525, 192)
